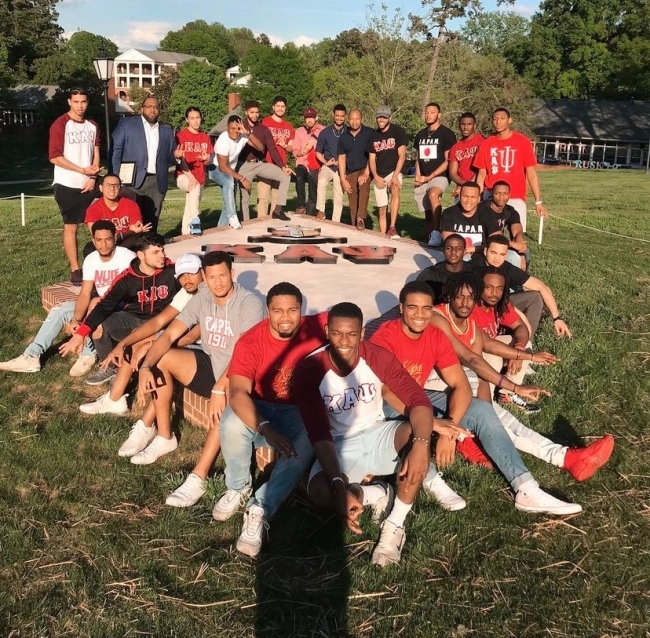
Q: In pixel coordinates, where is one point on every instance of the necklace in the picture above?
(334, 131)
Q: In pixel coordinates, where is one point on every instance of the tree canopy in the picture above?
(212, 41)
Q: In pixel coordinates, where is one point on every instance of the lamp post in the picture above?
(103, 64)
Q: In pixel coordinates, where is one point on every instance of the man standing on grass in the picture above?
(461, 155)
(74, 151)
(327, 153)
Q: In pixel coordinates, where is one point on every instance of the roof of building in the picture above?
(165, 57)
(33, 96)
(604, 120)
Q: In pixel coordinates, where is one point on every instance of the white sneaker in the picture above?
(83, 365)
(157, 448)
(250, 539)
(23, 363)
(189, 493)
(230, 502)
(233, 222)
(140, 436)
(389, 547)
(435, 238)
(532, 498)
(446, 497)
(106, 405)
(383, 506)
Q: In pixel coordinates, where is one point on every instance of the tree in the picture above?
(493, 32)
(243, 39)
(86, 46)
(211, 41)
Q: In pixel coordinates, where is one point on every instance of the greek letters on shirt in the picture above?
(218, 331)
(350, 398)
(279, 133)
(153, 294)
(383, 145)
(195, 147)
(79, 137)
(502, 159)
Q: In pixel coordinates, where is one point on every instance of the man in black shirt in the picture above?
(464, 218)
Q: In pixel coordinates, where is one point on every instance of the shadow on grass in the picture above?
(564, 433)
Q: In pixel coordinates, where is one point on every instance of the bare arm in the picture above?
(561, 328)
(480, 178)
(533, 181)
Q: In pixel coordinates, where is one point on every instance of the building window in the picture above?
(146, 69)
(134, 69)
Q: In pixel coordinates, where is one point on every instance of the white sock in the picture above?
(398, 514)
(372, 493)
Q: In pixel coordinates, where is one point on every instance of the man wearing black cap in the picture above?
(307, 164)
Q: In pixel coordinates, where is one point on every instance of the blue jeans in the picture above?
(237, 442)
(50, 329)
(227, 183)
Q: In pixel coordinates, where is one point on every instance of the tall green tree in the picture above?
(211, 41)
(493, 32)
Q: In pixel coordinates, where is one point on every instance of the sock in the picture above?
(398, 514)
(372, 493)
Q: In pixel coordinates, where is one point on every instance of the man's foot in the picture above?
(582, 463)
(23, 363)
(250, 539)
(389, 547)
(141, 435)
(469, 449)
(157, 448)
(76, 277)
(229, 504)
(392, 233)
(106, 405)
(435, 238)
(320, 215)
(281, 215)
(381, 508)
(195, 226)
(446, 497)
(531, 498)
(301, 210)
(83, 365)
(102, 376)
(189, 493)
(510, 398)
(361, 224)
(233, 222)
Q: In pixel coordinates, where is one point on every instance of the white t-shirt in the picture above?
(102, 273)
(229, 147)
(180, 300)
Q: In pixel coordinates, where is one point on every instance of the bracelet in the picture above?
(218, 392)
(500, 381)
(420, 438)
(539, 202)
(336, 478)
(261, 425)
(558, 318)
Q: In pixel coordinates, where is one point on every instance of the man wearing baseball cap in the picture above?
(307, 165)
(386, 157)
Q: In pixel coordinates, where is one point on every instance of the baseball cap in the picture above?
(383, 111)
(189, 263)
(310, 111)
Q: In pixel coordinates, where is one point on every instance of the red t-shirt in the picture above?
(487, 320)
(280, 131)
(126, 214)
(506, 160)
(269, 362)
(194, 144)
(432, 349)
(467, 338)
(463, 152)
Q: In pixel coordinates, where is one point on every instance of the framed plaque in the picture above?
(127, 173)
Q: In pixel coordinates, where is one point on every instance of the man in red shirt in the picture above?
(262, 412)
(461, 155)
(508, 155)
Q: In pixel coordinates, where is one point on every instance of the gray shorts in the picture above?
(420, 192)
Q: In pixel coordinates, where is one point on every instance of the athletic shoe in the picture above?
(157, 448)
(102, 376)
(140, 436)
(473, 453)
(76, 277)
(381, 509)
(230, 502)
(189, 493)
(531, 498)
(582, 463)
(435, 238)
(446, 497)
(23, 363)
(250, 539)
(106, 405)
(233, 222)
(83, 365)
(389, 547)
(281, 215)
(510, 398)
(195, 226)
(392, 233)
(361, 224)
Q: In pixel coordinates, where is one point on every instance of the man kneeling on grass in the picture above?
(339, 394)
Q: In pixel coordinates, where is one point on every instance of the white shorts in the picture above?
(369, 452)
(381, 194)
(420, 192)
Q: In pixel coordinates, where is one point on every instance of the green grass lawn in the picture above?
(87, 547)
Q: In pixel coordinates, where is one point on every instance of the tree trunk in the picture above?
(434, 63)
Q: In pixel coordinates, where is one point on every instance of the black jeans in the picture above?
(114, 329)
(310, 178)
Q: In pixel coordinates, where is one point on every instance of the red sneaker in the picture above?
(472, 452)
(582, 463)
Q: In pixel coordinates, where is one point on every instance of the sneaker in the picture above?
(389, 547)
(473, 453)
(514, 400)
(157, 448)
(140, 436)
(230, 502)
(23, 363)
(195, 226)
(76, 277)
(102, 376)
(106, 405)
(233, 222)
(435, 238)
(361, 224)
(582, 463)
(189, 493)
(446, 497)
(281, 215)
(83, 365)
(531, 498)
(381, 509)
(250, 539)
(392, 233)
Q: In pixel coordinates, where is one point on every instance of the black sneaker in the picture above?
(516, 401)
(282, 216)
(76, 277)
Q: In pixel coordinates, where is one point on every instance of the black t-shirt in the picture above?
(516, 276)
(355, 148)
(385, 145)
(436, 276)
(431, 147)
(493, 222)
(471, 228)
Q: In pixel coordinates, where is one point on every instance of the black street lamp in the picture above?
(103, 64)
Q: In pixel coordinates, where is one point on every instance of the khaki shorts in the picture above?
(381, 194)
